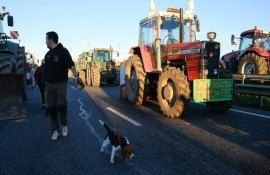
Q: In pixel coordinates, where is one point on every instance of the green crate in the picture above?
(212, 90)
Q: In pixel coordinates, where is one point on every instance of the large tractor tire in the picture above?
(116, 77)
(6, 60)
(135, 80)
(173, 92)
(82, 75)
(88, 75)
(252, 63)
(95, 76)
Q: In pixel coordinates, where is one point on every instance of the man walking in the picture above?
(57, 62)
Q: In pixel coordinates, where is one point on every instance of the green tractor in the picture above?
(12, 63)
(97, 67)
(12, 55)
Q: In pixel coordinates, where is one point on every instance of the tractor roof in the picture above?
(171, 12)
(105, 49)
(161, 14)
(254, 31)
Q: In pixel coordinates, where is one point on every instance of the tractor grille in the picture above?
(210, 59)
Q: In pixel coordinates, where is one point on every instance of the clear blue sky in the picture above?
(84, 23)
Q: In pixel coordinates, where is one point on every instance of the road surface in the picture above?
(236, 142)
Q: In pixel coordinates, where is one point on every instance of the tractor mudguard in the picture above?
(146, 54)
(259, 51)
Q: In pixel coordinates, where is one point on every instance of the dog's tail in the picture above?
(101, 122)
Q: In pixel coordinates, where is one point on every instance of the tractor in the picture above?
(253, 56)
(171, 65)
(97, 67)
(12, 63)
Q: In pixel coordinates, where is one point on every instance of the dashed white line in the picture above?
(250, 113)
(124, 117)
(245, 112)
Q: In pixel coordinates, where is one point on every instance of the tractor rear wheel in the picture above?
(117, 77)
(135, 80)
(95, 76)
(252, 63)
(173, 92)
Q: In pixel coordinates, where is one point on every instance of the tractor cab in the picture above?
(167, 27)
(170, 39)
(102, 55)
(254, 38)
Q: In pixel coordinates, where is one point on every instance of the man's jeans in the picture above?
(55, 94)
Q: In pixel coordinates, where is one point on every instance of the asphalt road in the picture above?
(201, 143)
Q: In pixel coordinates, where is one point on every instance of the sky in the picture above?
(84, 24)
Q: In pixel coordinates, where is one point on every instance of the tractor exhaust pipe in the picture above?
(158, 45)
(181, 27)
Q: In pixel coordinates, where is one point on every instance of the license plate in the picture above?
(212, 90)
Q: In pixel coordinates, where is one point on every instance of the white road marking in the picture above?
(73, 87)
(250, 113)
(124, 117)
(245, 112)
(83, 114)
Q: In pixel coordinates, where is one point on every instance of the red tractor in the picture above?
(253, 56)
(171, 65)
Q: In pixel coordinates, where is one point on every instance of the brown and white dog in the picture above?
(118, 142)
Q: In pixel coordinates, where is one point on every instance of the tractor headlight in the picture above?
(206, 72)
(211, 36)
(215, 72)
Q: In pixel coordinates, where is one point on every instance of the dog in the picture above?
(118, 142)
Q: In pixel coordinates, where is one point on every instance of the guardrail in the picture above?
(252, 84)
(259, 78)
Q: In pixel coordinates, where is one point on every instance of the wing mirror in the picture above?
(10, 21)
(233, 40)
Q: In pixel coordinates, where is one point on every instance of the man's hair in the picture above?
(53, 36)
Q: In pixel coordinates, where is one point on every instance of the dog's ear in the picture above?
(128, 150)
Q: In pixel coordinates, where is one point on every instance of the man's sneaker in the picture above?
(64, 131)
(55, 135)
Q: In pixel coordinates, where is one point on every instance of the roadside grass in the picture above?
(253, 101)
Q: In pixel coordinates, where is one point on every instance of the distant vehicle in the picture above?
(170, 64)
(253, 56)
(97, 67)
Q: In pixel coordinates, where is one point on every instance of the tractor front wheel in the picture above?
(135, 80)
(95, 76)
(252, 63)
(173, 92)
